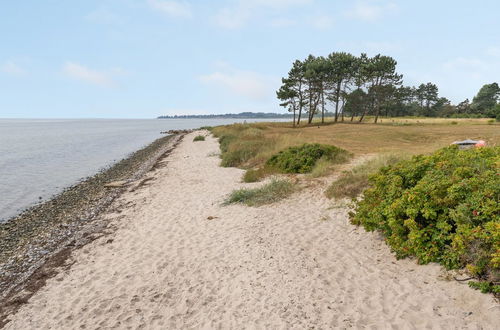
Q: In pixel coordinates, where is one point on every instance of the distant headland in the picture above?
(244, 115)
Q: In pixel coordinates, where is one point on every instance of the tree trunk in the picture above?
(377, 114)
(342, 110)
(337, 97)
(322, 107)
(294, 111)
(362, 116)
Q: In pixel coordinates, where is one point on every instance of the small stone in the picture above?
(115, 184)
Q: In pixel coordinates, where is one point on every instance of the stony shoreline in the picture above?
(47, 232)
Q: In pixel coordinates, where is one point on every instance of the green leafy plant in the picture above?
(267, 194)
(302, 159)
(443, 208)
(199, 138)
(485, 287)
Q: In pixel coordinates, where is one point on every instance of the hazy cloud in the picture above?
(282, 22)
(94, 77)
(322, 22)
(172, 8)
(493, 51)
(103, 16)
(12, 68)
(462, 63)
(251, 85)
(243, 11)
(368, 11)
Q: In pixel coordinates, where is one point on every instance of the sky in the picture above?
(145, 58)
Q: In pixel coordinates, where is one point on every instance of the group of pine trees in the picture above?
(356, 87)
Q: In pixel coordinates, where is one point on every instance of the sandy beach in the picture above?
(175, 258)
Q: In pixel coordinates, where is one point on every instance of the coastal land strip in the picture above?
(176, 257)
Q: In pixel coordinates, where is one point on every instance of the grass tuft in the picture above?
(255, 175)
(272, 192)
(199, 138)
(352, 183)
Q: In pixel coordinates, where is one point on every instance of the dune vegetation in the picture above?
(442, 207)
(269, 193)
(429, 200)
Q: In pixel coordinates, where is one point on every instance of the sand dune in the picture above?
(292, 265)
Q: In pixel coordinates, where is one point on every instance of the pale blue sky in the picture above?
(144, 58)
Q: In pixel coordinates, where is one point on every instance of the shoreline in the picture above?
(173, 256)
(49, 231)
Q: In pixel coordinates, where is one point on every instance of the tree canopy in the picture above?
(360, 86)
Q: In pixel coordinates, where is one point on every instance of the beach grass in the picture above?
(269, 193)
(199, 138)
(249, 146)
(351, 183)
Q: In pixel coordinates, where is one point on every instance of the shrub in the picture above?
(267, 194)
(199, 138)
(302, 159)
(441, 208)
(454, 123)
(354, 182)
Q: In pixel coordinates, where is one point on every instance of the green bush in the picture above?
(302, 159)
(267, 194)
(199, 138)
(441, 208)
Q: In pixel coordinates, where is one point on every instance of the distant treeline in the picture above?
(242, 115)
(360, 86)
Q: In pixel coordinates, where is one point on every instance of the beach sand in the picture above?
(178, 259)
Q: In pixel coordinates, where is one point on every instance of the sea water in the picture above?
(41, 157)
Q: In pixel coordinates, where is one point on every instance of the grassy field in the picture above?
(399, 135)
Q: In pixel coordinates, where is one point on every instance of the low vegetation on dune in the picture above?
(259, 149)
(439, 206)
(442, 207)
(199, 138)
(353, 182)
(302, 159)
(269, 193)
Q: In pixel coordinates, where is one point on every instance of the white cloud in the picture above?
(251, 85)
(12, 68)
(244, 10)
(370, 12)
(172, 8)
(94, 77)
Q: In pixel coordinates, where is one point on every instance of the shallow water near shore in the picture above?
(40, 157)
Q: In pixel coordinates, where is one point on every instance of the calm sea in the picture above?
(40, 157)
